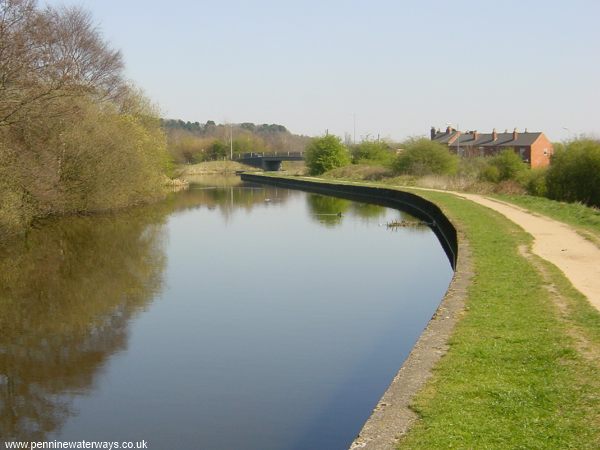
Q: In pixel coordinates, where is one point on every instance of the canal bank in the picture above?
(522, 367)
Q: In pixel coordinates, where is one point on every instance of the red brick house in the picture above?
(533, 147)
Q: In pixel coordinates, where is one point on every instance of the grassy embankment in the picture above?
(523, 369)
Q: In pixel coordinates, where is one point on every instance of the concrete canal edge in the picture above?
(393, 416)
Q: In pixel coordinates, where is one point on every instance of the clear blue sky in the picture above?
(400, 66)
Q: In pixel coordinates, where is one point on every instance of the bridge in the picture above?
(269, 161)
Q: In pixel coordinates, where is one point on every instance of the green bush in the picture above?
(376, 152)
(472, 167)
(490, 173)
(509, 166)
(426, 157)
(536, 183)
(574, 173)
(326, 153)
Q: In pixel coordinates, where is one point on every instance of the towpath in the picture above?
(556, 242)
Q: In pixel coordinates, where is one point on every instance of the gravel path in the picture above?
(575, 256)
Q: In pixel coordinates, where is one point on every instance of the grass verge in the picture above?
(519, 372)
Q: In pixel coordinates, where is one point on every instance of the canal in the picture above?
(230, 316)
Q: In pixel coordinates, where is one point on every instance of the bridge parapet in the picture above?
(297, 155)
(269, 161)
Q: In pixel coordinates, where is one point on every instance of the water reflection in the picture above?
(368, 211)
(229, 198)
(327, 210)
(67, 293)
(241, 321)
(330, 212)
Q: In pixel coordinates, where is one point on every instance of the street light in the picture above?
(570, 132)
(231, 141)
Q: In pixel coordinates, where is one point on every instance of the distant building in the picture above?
(533, 147)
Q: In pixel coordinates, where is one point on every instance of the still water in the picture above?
(231, 316)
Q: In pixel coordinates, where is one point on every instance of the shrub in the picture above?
(509, 165)
(425, 157)
(472, 167)
(536, 184)
(490, 173)
(372, 152)
(360, 172)
(326, 153)
(574, 173)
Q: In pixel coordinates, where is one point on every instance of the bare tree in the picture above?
(51, 54)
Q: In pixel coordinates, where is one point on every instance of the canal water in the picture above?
(230, 316)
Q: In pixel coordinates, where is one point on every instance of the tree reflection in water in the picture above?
(67, 293)
(327, 210)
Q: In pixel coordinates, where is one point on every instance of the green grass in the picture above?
(514, 377)
(576, 214)
(521, 372)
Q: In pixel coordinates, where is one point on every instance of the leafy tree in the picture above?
(74, 136)
(423, 157)
(272, 128)
(248, 126)
(217, 150)
(326, 153)
(574, 173)
(248, 144)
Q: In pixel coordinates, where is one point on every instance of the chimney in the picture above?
(494, 135)
(432, 133)
(475, 135)
(448, 129)
(515, 134)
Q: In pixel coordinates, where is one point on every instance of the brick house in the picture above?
(533, 147)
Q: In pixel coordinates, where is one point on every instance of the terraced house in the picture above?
(533, 147)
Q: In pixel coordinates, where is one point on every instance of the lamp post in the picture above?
(231, 141)
(570, 133)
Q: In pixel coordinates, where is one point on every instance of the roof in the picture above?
(485, 139)
(443, 137)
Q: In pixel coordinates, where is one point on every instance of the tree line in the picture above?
(573, 174)
(75, 135)
(193, 142)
